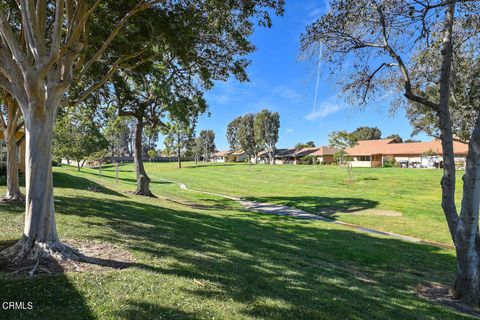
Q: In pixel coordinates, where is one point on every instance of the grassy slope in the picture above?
(414, 193)
(200, 257)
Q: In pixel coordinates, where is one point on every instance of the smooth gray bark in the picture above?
(13, 181)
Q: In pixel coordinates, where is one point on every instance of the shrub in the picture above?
(308, 160)
(390, 163)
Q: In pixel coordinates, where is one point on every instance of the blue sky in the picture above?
(282, 83)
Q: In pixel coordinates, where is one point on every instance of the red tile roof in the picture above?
(389, 147)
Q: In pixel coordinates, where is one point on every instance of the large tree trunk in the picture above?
(13, 181)
(143, 181)
(464, 230)
(467, 287)
(40, 237)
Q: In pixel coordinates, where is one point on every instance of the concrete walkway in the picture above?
(280, 210)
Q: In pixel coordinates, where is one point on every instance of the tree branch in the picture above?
(403, 69)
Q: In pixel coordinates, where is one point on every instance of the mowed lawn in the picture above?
(203, 257)
(404, 201)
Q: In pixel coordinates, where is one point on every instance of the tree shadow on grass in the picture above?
(68, 181)
(45, 293)
(326, 206)
(212, 165)
(275, 267)
(130, 180)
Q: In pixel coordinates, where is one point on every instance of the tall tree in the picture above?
(366, 133)
(197, 147)
(47, 48)
(208, 144)
(11, 124)
(396, 137)
(266, 127)
(232, 133)
(246, 135)
(379, 37)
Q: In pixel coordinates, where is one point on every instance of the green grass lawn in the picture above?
(203, 257)
(414, 193)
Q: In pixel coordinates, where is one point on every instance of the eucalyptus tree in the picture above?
(196, 147)
(11, 124)
(232, 133)
(207, 138)
(246, 136)
(380, 40)
(266, 127)
(47, 47)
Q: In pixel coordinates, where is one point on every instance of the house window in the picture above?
(364, 158)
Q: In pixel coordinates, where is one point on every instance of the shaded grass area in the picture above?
(413, 193)
(201, 257)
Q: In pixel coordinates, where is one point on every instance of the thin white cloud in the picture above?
(287, 93)
(326, 108)
(289, 130)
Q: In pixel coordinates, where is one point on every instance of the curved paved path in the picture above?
(280, 210)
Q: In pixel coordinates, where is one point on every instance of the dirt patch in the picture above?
(441, 294)
(82, 256)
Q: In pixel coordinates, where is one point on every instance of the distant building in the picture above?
(375, 153)
(320, 155)
(229, 156)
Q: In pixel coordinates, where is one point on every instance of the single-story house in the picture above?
(375, 153)
(299, 154)
(229, 156)
(262, 157)
(220, 156)
(325, 155)
(20, 151)
(285, 156)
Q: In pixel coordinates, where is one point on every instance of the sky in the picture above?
(281, 82)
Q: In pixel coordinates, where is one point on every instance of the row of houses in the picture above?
(322, 155)
(366, 153)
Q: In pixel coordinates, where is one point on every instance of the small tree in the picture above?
(75, 137)
(180, 133)
(266, 127)
(152, 153)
